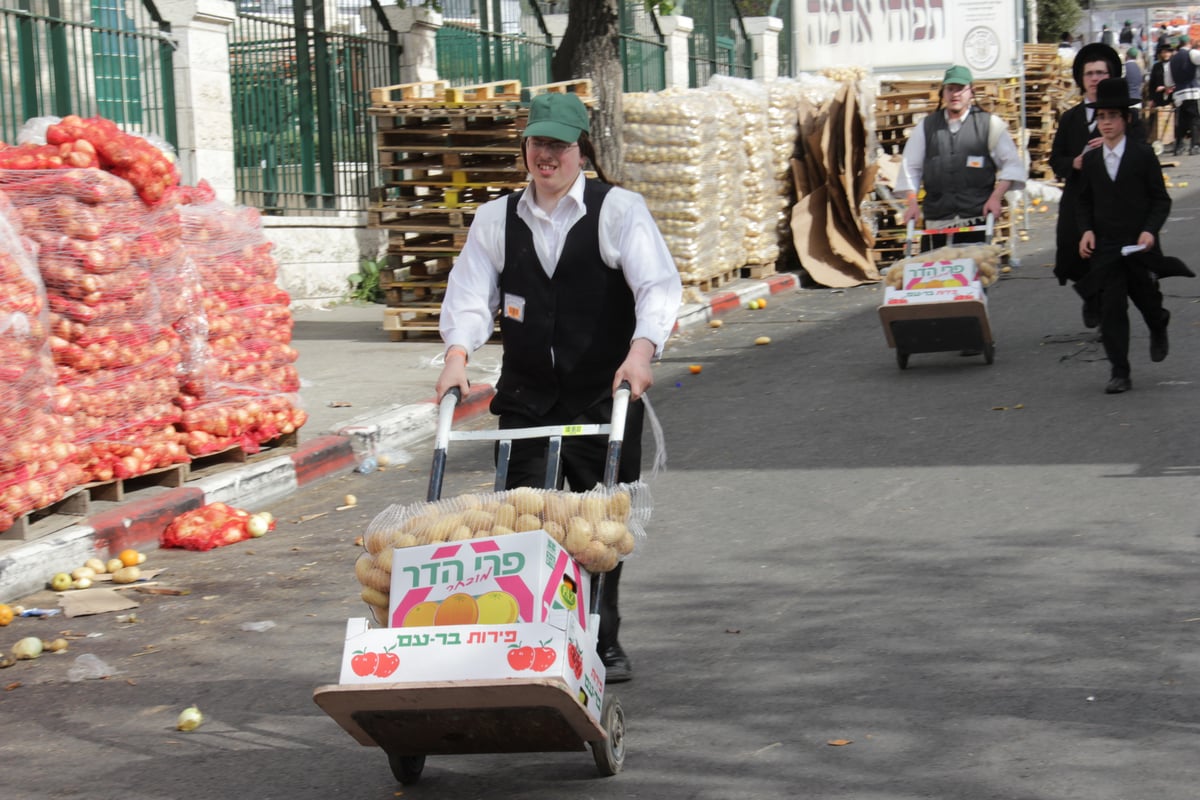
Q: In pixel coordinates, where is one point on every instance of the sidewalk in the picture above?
(361, 390)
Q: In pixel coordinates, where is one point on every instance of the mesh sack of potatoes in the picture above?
(599, 528)
(986, 257)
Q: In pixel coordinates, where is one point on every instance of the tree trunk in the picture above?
(590, 49)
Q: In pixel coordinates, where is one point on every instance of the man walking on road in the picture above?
(1077, 133)
(966, 159)
(1182, 75)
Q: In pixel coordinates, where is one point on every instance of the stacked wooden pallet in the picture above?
(443, 152)
(1049, 91)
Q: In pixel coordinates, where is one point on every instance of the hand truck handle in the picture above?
(617, 433)
(450, 399)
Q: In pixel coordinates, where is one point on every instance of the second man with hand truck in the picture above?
(965, 158)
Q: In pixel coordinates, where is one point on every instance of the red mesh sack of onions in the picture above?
(37, 461)
(215, 525)
(245, 390)
(102, 255)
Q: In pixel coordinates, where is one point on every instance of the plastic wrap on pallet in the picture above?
(37, 455)
(243, 390)
(103, 256)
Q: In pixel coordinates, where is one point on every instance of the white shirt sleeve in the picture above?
(912, 162)
(1009, 165)
(473, 288)
(630, 241)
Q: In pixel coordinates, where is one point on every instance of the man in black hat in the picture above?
(1158, 99)
(1076, 135)
(1183, 75)
(1123, 204)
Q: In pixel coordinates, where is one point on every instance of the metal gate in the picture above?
(105, 58)
(481, 41)
(719, 44)
(301, 74)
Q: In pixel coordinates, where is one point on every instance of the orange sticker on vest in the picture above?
(514, 307)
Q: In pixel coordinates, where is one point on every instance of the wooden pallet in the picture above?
(236, 454)
(172, 476)
(756, 271)
(409, 93)
(71, 509)
(581, 88)
(714, 281)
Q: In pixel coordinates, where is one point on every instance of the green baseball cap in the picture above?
(958, 75)
(557, 115)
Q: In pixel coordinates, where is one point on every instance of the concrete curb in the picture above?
(140, 522)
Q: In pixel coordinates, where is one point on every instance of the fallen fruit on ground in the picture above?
(6, 614)
(61, 582)
(126, 575)
(695, 369)
(189, 719)
(130, 557)
(763, 340)
(28, 648)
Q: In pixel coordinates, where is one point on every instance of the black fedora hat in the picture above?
(1113, 93)
(1096, 51)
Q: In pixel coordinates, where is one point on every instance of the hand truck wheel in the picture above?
(610, 753)
(406, 769)
(901, 358)
(989, 352)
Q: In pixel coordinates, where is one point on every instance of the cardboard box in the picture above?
(949, 273)
(534, 651)
(497, 580)
(894, 297)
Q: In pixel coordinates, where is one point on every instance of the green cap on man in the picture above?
(958, 75)
(557, 115)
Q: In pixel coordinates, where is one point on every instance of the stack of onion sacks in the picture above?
(598, 528)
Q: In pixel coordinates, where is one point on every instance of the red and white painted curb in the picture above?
(140, 522)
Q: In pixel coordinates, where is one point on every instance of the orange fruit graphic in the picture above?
(497, 608)
(421, 615)
(457, 609)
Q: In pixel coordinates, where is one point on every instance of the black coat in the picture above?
(1070, 138)
(1119, 211)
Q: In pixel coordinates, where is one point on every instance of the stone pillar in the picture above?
(203, 101)
(677, 30)
(556, 26)
(764, 38)
(418, 27)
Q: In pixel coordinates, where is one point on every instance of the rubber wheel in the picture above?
(610, 753)
(406, 769)
(902, 358)
(989, 352)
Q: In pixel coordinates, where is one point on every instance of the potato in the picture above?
(557, 532)
(373, 597)
(610, 532)
(626, 543)
(478, 520)
(501, 530)
(383, 559)
(96, 565)
(593, 508)
(460, 534)
(402, 539)
(528, 522)
(506, 515)
(376, 541)
(579, 535)
(468, 502)
(114, 564)
(126, 575)
(418, 523)
(440, 531)
(370, 575)
(619, 505)
(83, 572)
(554, 509)
(526, 500)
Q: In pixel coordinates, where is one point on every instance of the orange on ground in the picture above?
(6, 614)
(129, 557)
(695, 369)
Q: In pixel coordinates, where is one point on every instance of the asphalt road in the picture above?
(953, 581)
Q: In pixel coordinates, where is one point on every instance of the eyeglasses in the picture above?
(554, 146)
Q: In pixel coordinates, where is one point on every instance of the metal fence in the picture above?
(104, 58)
(719, 44)
(643, 49)
(500, 40)
(300, 74)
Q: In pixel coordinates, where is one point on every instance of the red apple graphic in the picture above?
(364, 663)
(389, 662)
(520, 658)
(544, 658)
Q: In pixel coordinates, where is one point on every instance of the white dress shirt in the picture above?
(629, 241)
(1112, 158)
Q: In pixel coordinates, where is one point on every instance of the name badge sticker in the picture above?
(514, 307)
(975, 161)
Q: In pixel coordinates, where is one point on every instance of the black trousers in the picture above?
(1187, 122)
(1122, 281)
(583, 459)
(936, 240)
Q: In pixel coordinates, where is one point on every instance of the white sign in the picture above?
(907, 35)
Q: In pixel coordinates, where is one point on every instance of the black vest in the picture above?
(952, 189)
(584, 315)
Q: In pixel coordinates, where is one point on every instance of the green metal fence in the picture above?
(718, 45)
(104, 58)
(643, 49)
(494, 41)
(301, 81)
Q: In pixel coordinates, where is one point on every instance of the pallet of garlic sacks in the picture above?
(406, 547)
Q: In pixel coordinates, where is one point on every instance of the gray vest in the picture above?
(952, 187)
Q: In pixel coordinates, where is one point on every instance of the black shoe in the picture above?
(617, 668)
(1159, 345)
(1091, 315)
(1118, 385)
(1178, 151)
(970, 351)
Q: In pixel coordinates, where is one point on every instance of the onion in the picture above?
(189, 719)
(28, 648)
(257, 525)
